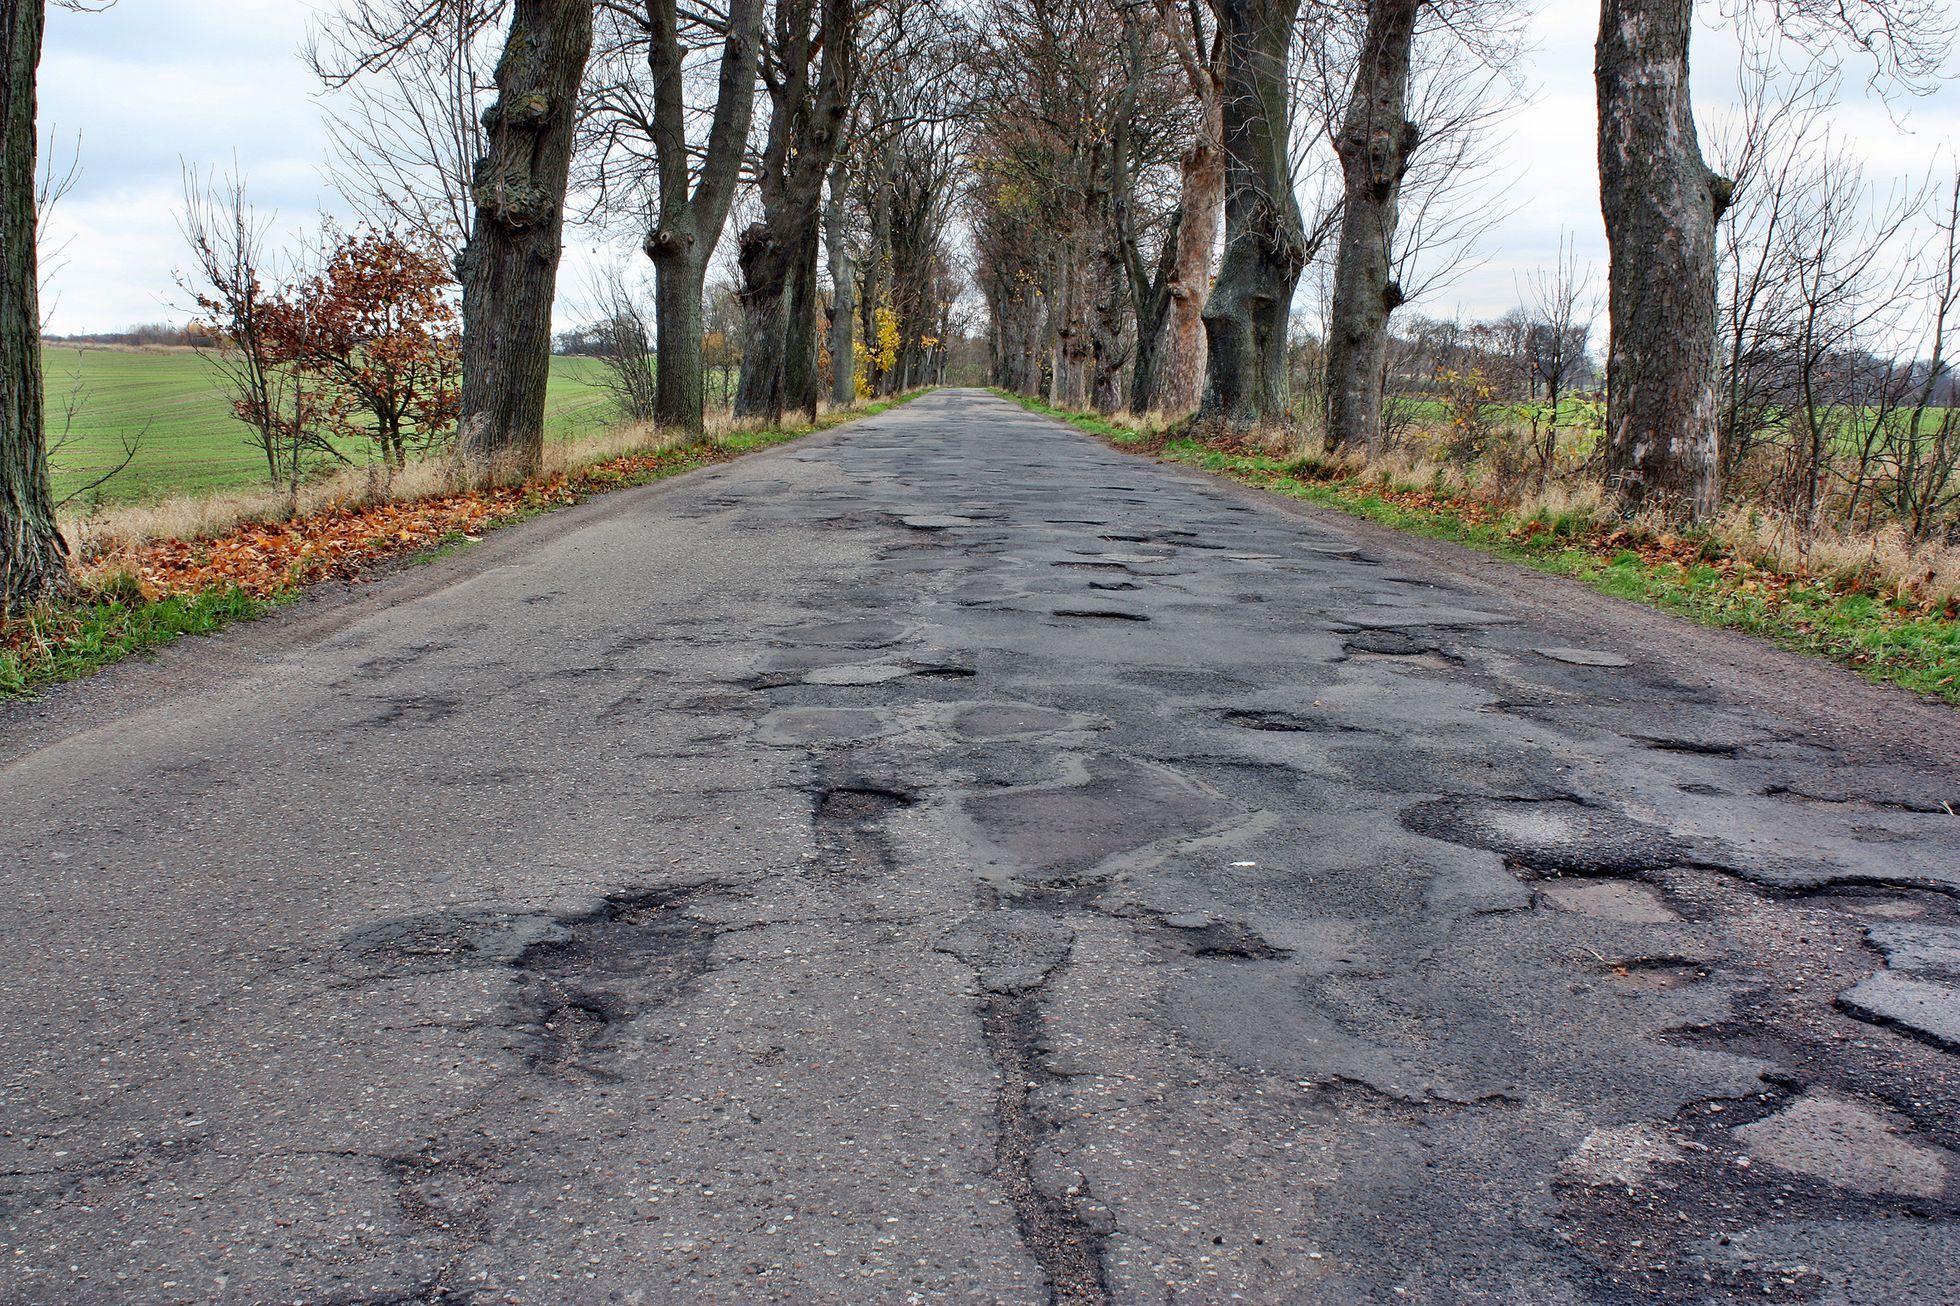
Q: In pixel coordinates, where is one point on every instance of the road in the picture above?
(947, 859)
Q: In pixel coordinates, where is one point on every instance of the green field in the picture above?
(191, 442)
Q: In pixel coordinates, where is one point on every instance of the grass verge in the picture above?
(140, 593)
(1889, 634)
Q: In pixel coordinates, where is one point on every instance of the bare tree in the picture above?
(234, 289)
(808, 77)
(1662, 203)
(623, 343)
(410, 79)
(1178, 384)
(1766, 146)
(1849, 289)
(694, 188)
(1558, 330)
(509, 269)
(33, 555)
(1266, 247)
(843, 285)
(1375, 142)
(1923, 450)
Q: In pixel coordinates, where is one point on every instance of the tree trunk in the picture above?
(33, 556)
(678, 400)
(1069, 382)
(1153, 322)
(800, 377)
(509, 269)
(779, 254)
(1108, 353)
(1265, 249)
(1201, 202)
(843, 296)
(1661, 203)
(765, 264)
(689, 222)
(1374, 144)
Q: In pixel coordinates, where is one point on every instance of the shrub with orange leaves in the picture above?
(378, 334)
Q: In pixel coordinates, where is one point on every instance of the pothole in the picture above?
(1199, 936)
(1066, 1247)
(437, 942)
(857, 805)
(1273, 721)
(1100, 614)
(942, 671)
(871, 633)
(1851, 1144)
(1550, 836)
(1007, 721)
(1383, 643)
(799, 726)
(1427, 661)
(1693, 747)
(850, 835)
(1652, 973)
(608, 967)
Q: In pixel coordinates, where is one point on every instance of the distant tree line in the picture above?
(186, 336)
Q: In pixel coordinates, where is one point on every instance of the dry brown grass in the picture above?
(1881, 560)
(204, 516)
(198, 517)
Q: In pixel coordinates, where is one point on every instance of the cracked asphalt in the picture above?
(948, 859)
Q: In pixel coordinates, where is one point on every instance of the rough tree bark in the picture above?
(1119, 279)
(843, 292)
(1108, 346)
(1068, 382)
(1661, 203)
(1177, 349)
(779, 254)
(688, 222)
(1374, 144)
(33, 556)
(509, 268)
(1265, 249)
(1153, 292)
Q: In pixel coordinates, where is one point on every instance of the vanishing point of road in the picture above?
(947, 859)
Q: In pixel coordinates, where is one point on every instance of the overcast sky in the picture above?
(153, 85)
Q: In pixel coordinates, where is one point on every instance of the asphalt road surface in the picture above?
(950, 860)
